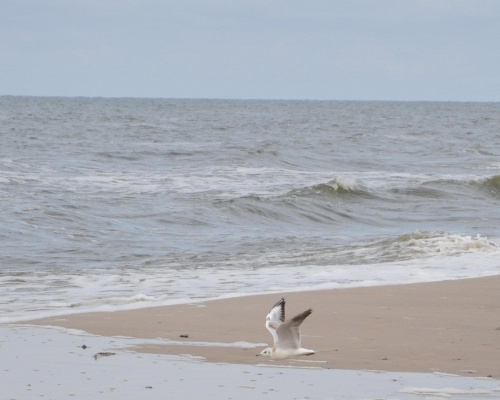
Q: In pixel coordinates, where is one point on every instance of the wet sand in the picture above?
(39, 362)
(450, 327)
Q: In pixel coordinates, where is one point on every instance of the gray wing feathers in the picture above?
(288, 332)
(278, 310)
(298, 319)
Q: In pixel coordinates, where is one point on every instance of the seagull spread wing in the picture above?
(276, 318)
(288, 334)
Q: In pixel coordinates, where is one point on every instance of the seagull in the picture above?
(286, 334)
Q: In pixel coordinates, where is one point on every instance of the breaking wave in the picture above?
(491, 185)
(339, 187)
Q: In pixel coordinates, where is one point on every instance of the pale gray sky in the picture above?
(258, 49)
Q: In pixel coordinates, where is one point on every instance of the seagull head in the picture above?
(266, 352)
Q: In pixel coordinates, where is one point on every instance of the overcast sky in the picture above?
(252, 49)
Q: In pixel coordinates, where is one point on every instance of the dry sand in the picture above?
(449, 327)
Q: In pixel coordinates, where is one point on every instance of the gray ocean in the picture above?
(109, 204)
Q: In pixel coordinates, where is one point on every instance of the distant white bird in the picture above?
(286, 334)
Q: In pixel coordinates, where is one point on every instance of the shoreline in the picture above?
(450, 327)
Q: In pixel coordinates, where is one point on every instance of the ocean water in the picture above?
(121, 203)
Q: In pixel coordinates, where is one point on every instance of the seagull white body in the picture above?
(286, 335)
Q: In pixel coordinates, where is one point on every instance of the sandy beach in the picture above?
(450, 327)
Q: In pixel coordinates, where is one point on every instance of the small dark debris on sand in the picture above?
(103, 354)
(184, 335)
